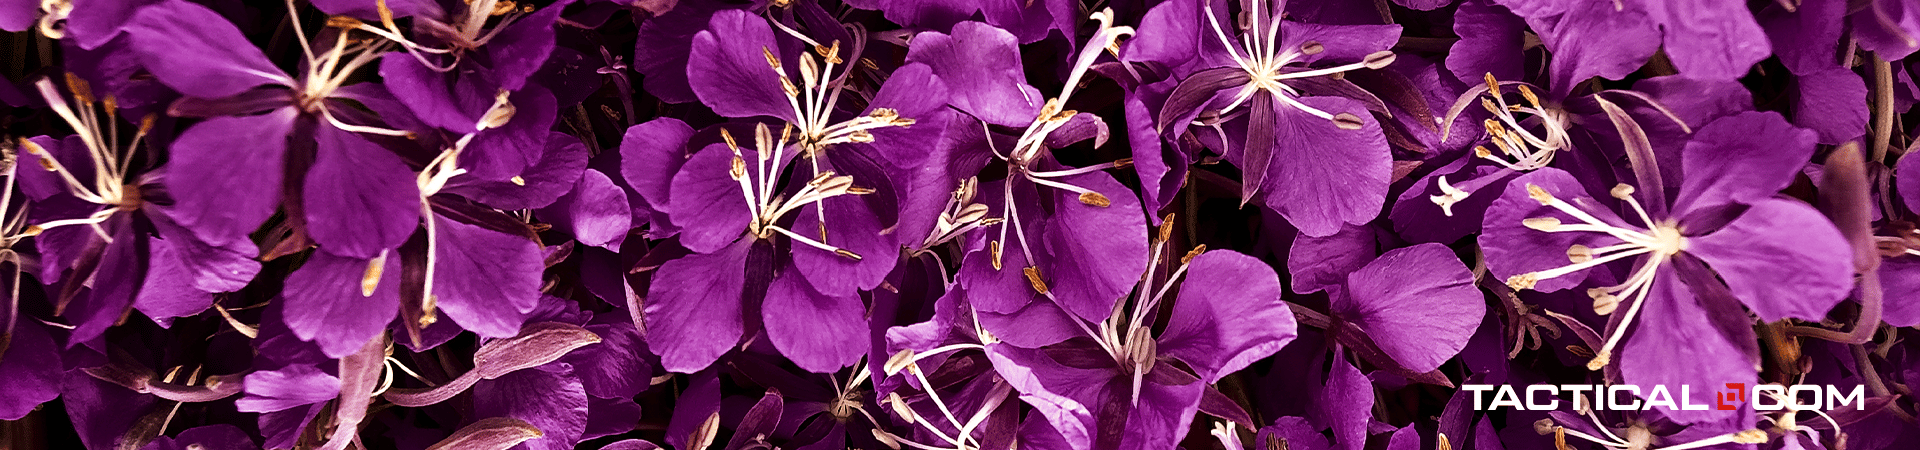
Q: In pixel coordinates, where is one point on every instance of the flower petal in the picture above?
(819, 332)
(1229, 314)
(1781, 258)
(485, 281)
(693, 308)
(1418, 303)
(728, 68)
(363, 199)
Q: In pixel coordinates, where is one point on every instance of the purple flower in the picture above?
(1076, 236)
(1306, 143)
(1777, 257)
(231, 169)
(1115, 387)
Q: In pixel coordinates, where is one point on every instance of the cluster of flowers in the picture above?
(831, 224)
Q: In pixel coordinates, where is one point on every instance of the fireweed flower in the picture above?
(1115, 387)
(465, 259)
(356, 195)
(101, 221)
(456, 63)
(1309, 146)
(1063, 237)
(740, 68)
(731, 208)
(1778, 257)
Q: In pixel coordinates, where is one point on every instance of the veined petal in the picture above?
(728, 68)
(1418, 303)
(360, 198)
(693, 308)
(706, 203)
(819, 332)
(1674, 326)
(326, 302)
(1228, 315)
(1322, 175)
(484, 280)
(981, 64)
(226, 172)
(196, 51)
(1782, 259)
(1743, 158)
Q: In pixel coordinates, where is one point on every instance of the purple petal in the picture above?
(1781, 258)
(485, 281)
(1418, 303)
(557, 168)
(650, 154)
(729, 71)
(288, 387)
(549, 398)
(363, 200)
(819, 332)
(596, 212)
(693, 308)
(226, 173)
(451, 100)
(1631, 38)
(194, 50)
(618, 366)
(1710, 39)
(1345, 404)
(1097, 252)
(1318, 263)
(1491, 40)
(981, 64)
(1228, 315)
(1512, 249)
(852, 226)
(326, 303)
(1828, 101)
(168, 290)
(707, 204)
(1674, 326)
(210, 437)
(1741, 159)
(1323, 175)
(518, 50)
(30, 368)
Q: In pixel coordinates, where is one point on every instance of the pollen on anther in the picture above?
(1095, 199)
(1621, 191)
(1539, 195)
(1033, 278)
(1579, 253)
(1523, 281)
(1541, 223)
(1348, 121)
(993, 251)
